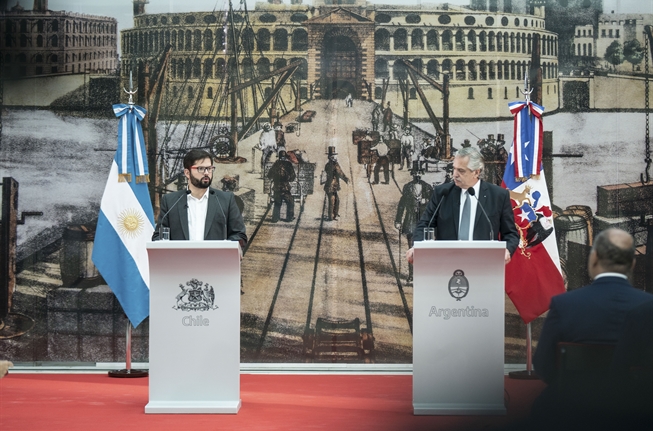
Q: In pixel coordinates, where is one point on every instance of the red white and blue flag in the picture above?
(533, 275)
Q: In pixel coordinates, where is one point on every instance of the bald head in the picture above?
(613, 251)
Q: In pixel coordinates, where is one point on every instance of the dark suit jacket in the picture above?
(219, 216)
(494, 199)
(635, 345)
(592, 314)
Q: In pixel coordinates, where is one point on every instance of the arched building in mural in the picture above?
(42, 42)
(353, 48)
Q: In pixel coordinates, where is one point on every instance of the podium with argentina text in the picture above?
(458, 328)
(194, 327)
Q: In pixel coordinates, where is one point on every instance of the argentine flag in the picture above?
(126, 219)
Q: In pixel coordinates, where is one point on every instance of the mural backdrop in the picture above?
(325, 80)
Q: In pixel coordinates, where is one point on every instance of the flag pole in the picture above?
(528, 373)
(128, 372)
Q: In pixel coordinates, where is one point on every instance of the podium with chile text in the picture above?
(194, 327)
(458, 328)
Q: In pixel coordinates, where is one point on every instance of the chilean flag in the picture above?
(533, 275)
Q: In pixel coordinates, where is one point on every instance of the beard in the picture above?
(202, 183)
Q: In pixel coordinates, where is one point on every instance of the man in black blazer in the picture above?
(447, 200)
(201, 212)
(595, 313)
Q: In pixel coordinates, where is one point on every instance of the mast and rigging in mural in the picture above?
(229, 118)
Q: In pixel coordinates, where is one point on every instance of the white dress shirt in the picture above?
(197, 209)
(472, 207)
(611, 274)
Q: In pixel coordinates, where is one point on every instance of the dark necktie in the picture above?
(463, 232)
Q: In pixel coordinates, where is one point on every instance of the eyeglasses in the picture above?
(204, 169)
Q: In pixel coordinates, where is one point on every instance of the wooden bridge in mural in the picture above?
(312, 268)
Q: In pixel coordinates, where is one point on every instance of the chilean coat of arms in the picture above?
(195, 296)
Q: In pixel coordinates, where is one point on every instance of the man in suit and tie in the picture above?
(460, 213)
(201, 212)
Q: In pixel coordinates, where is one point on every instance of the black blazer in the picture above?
(592, 314)
(219, 216)
(494, 199)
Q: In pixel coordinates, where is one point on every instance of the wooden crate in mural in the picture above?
(366, 156)
(625, 200)
(304, 179)
(339, 341)
(394, 150)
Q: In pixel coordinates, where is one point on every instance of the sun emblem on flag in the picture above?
(130, 223)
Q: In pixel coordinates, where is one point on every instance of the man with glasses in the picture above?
(200, 212)
(461, 205)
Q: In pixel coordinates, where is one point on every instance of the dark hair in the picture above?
(612, 257)
(194, 155)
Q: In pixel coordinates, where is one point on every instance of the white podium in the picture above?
(458, 328)
(194, 327)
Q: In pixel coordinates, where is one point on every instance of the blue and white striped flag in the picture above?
(126, 219)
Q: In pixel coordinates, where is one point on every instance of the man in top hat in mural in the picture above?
(414, 197)
(201, 212)
(267, 143)
(332, 183)
(282, 174)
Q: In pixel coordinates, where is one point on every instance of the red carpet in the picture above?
(83, 402)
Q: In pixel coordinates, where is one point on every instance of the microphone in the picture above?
(445, 193)
(224, 217)
(472, 192)
(173, 205)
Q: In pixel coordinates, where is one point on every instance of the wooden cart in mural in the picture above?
(367, 156)
(304, 178)
(338, 341)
